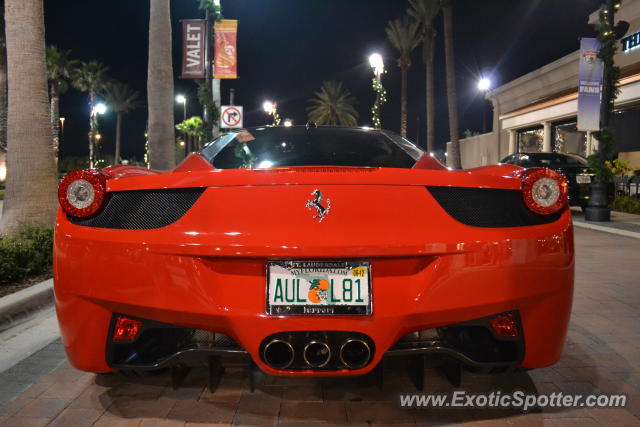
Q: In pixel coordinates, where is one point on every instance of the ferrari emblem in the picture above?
(316, 203)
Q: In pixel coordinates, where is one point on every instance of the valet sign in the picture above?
(194, 48)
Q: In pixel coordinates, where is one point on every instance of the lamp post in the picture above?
(377, 64)
(181, 99)
(60, 136)
(96, 110)
(271, 109)
(597, 208)
(484, 85)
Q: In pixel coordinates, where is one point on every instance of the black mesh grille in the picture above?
(142, 209)
(488, 207)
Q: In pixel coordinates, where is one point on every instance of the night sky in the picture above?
(287, 48)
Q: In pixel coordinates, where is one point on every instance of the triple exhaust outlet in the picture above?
(353, 353)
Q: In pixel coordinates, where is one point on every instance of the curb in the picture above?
(609, 230)
(17, 307)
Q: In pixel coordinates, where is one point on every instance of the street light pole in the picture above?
(597, 208)
(181, 99)
(377, 63)
(96, 110)
(484, 85)
(271, 109)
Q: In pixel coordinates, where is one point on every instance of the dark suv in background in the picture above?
(573, 166)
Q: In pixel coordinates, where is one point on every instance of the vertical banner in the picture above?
(194, 39)
(590, 85)
(226, 53)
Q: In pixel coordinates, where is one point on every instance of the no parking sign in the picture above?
(231, 116)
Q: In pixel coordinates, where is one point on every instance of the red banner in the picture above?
(194, 38)
(226, 54)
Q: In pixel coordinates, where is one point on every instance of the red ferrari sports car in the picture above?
(313, 251)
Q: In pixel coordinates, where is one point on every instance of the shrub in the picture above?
(626, 204)
(28, 253)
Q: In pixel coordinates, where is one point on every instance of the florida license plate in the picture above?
(583, 179)
(318, 287)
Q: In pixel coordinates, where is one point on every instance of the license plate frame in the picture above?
(583, 179)
(320, 268)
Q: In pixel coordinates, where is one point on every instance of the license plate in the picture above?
(318, 287)
(583, 179)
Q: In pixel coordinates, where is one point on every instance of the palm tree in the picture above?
(193, 129)
(333, 105)
(452, 96)
(90, 77)
(121, 99)
(59, 71)
(403, 35)
(30, 196)
(160, 88)
(3, 85)
(425, 12)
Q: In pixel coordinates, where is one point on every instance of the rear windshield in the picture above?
(545, 160)
(298, 146)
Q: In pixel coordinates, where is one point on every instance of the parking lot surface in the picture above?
(601, 355)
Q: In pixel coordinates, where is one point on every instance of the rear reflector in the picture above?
(505, 325)
(126, 329)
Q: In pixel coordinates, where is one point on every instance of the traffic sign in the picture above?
(230, 116)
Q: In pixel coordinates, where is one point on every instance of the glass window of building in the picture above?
(530, 140)
(568, 139)
(626, 129)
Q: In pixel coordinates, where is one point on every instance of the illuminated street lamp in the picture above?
(181, 99)
(484, 86)
(62, 119)
(271, 109)
(99, 108)
(288, 123)
(377, 63)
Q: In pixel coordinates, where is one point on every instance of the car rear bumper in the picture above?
(470, 275)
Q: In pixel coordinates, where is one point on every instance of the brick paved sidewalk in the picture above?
(602, 354)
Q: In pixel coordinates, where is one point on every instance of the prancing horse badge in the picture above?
(316, 203)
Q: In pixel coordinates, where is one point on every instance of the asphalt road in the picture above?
(601, 355)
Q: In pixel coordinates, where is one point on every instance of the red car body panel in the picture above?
(207, 270)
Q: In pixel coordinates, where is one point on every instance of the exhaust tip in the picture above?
(278, 354)
(316, 354)
(355, 353)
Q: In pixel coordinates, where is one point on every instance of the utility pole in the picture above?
(208, 60)
(215, 86)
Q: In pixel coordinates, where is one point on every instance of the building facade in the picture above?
(538, 111)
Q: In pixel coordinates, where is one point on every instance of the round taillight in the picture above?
(82, 192)
(544, 191)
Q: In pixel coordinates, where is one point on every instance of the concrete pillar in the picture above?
(546, 137)
(512, 141)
